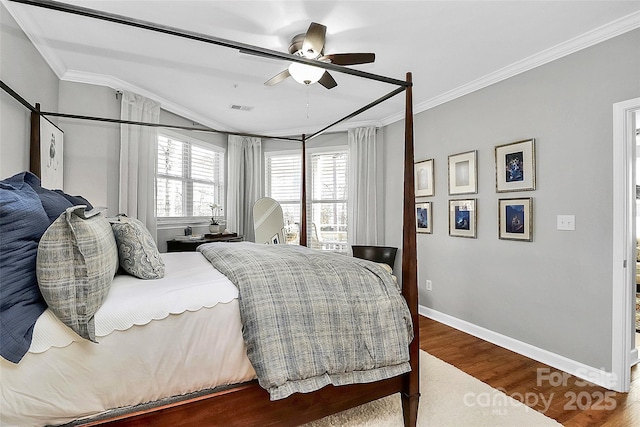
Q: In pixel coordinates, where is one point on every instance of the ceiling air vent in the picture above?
(240, 107)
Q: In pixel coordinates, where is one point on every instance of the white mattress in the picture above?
(156, 338)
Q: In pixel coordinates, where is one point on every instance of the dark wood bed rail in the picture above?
(249, 405)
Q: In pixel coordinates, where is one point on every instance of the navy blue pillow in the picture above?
(23, 220)
(75, 200)
(52, 202)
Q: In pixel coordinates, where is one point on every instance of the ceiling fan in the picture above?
(311, 45)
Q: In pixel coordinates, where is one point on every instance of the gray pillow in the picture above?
(138, 252)
(77, 259)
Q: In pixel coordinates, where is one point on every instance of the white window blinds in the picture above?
(327, 195)
(190, 177)
(328, 200)
(283, 183)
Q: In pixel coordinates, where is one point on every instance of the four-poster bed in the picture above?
(247, 403)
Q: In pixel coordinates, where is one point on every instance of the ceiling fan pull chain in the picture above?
(308, 102)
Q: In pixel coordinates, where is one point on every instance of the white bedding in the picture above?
(156, 338)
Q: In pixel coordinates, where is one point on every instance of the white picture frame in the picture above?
(51, 155)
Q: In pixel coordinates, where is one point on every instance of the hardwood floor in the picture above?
(563, 397)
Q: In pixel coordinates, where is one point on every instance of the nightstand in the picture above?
(190, 245)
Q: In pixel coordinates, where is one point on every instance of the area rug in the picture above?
(448, 397)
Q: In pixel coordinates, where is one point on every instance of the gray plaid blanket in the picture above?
(313, 318)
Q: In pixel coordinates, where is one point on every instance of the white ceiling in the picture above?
(451, 48)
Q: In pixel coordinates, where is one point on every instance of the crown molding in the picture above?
(25, 22)
(591, 38)
(341, 127)
(121, 85)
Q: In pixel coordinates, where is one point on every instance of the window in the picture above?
(189, 178)
(283, 183)
(328, 195)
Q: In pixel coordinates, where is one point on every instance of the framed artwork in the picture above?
(47, 149)
(462, 218)
(515, 219)
(423, 217)
(424, 178)
(275, 240)
(463, 173)
(516, 166)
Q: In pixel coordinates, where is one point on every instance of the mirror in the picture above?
(268, 221)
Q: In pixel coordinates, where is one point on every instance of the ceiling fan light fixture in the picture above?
(305, 74)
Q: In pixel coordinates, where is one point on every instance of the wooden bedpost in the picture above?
(303, 196)
(34, 149)
(411, 387)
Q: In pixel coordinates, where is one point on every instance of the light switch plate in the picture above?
(567, 222)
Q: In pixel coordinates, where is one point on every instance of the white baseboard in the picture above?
(597, 376)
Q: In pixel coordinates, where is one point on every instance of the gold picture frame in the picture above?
(424, 178)
(424, 218)
(515, 219)
(462, 218)
(516, 166)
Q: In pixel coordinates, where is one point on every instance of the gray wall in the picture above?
(554, 293)
(24, 70)
(92, 148)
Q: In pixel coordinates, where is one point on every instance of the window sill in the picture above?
(176, 222)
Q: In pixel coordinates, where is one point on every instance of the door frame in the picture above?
(624, 353)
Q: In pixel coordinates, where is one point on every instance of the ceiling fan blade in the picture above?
(313, 43)
(277, 78)
(327, 81)
(350, 58)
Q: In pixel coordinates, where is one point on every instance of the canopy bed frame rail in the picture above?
(248, 403)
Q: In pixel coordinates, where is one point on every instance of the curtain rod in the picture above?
(192, 35)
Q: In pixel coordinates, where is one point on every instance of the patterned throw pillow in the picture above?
(77, 259)
(138, 252)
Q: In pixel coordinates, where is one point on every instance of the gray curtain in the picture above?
(365, 181)
(244, 160)
(138, 152)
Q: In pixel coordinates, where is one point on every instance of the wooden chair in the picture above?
(383, 254)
